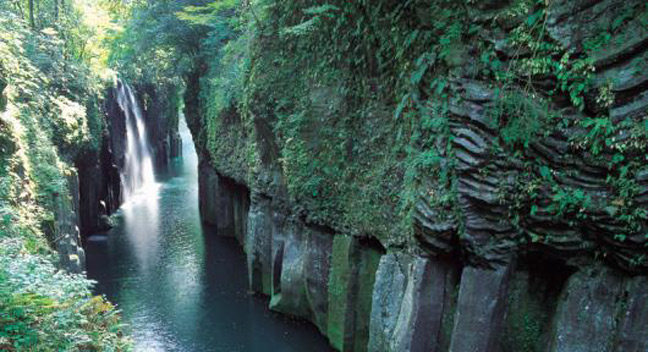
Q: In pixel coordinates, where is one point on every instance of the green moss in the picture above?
(367, 265)
(351, 282)
(339, 276)
(528, 318)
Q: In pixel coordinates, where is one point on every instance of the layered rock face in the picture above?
(306, 270)
(542, 245)
(575, 207)
(364, 297)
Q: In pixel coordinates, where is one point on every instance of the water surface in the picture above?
(179, 286)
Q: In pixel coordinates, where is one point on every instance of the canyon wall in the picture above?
(497, 204)
(365, 297)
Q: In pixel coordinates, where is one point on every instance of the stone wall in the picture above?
(364, 297)
(503, 268)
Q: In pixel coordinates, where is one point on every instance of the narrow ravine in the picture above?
(384, 176)
(181, 287)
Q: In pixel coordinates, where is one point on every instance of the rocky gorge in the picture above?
(96, 189)
(404, 175)
(484, 274)
(469, 278)
(366, 297)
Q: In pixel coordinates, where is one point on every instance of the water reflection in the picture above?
(141, 222)
(180, 287)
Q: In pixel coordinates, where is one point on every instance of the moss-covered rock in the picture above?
(352, 275)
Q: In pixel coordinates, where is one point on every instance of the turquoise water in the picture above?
(181, 287)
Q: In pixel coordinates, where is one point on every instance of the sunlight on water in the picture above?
(141, 222)
(181, 287)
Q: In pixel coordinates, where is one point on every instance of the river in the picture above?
(181, 287)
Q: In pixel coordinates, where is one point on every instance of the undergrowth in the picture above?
(49, 115)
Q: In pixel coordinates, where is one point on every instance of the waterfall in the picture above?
(137, 174)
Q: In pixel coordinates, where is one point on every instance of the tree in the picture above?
(31, 14)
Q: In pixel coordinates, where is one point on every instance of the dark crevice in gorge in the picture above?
(231, 200)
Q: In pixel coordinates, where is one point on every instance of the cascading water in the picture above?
(137, 174)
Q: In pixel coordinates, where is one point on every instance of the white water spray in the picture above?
(137, 175)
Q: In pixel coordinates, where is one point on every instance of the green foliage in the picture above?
(45, 125)
(154, 33)
(347, 107)
(547, 59)
(521, 118)
(600, 132)
(48, 118)
(354, 61)
(208, 15)
(44, 309)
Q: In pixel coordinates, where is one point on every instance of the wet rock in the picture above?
(288, 257)
(215, 201)
(223, 203)
(75, 265)
(208, 193)
(480, 309)
(533, 295)
(426, 306)
(300, 272)
(633, 321)
(66, 231)
(340, 275)
(105, 223)
(412, 296)
(258, 245)
(241, 207)
(352, 275)
(99, 189)
(317, 266)
(389, 291)
(585, 319)
(434, 231)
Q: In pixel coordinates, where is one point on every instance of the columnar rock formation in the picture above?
(365, 297)
(500, 270)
